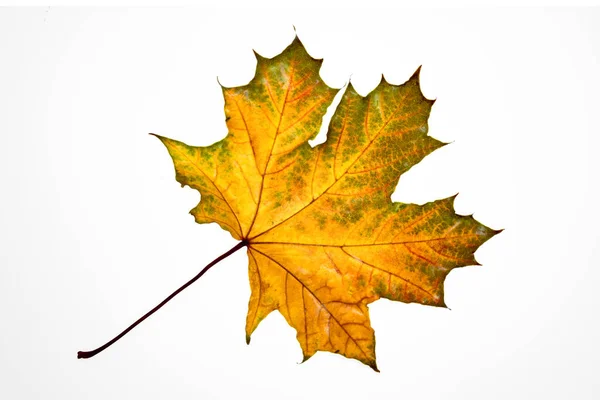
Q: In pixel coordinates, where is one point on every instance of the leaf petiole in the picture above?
(92, 353)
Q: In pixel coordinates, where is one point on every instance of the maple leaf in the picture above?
(324, 238)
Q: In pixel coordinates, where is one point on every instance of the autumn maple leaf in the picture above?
(323, 237)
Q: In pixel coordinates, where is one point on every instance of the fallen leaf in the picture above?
(323, 237)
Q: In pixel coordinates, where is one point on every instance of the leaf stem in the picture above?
(92, 353)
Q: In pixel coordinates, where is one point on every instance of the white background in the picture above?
(94, 228)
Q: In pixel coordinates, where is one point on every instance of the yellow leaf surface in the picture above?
(324, 238)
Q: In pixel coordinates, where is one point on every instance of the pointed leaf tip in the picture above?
(416, 75)
(416, 79)
(296, 40)
(156, 135)
(373, 366)
(258, 56)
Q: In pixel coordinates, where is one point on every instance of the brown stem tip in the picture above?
(92, 353)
